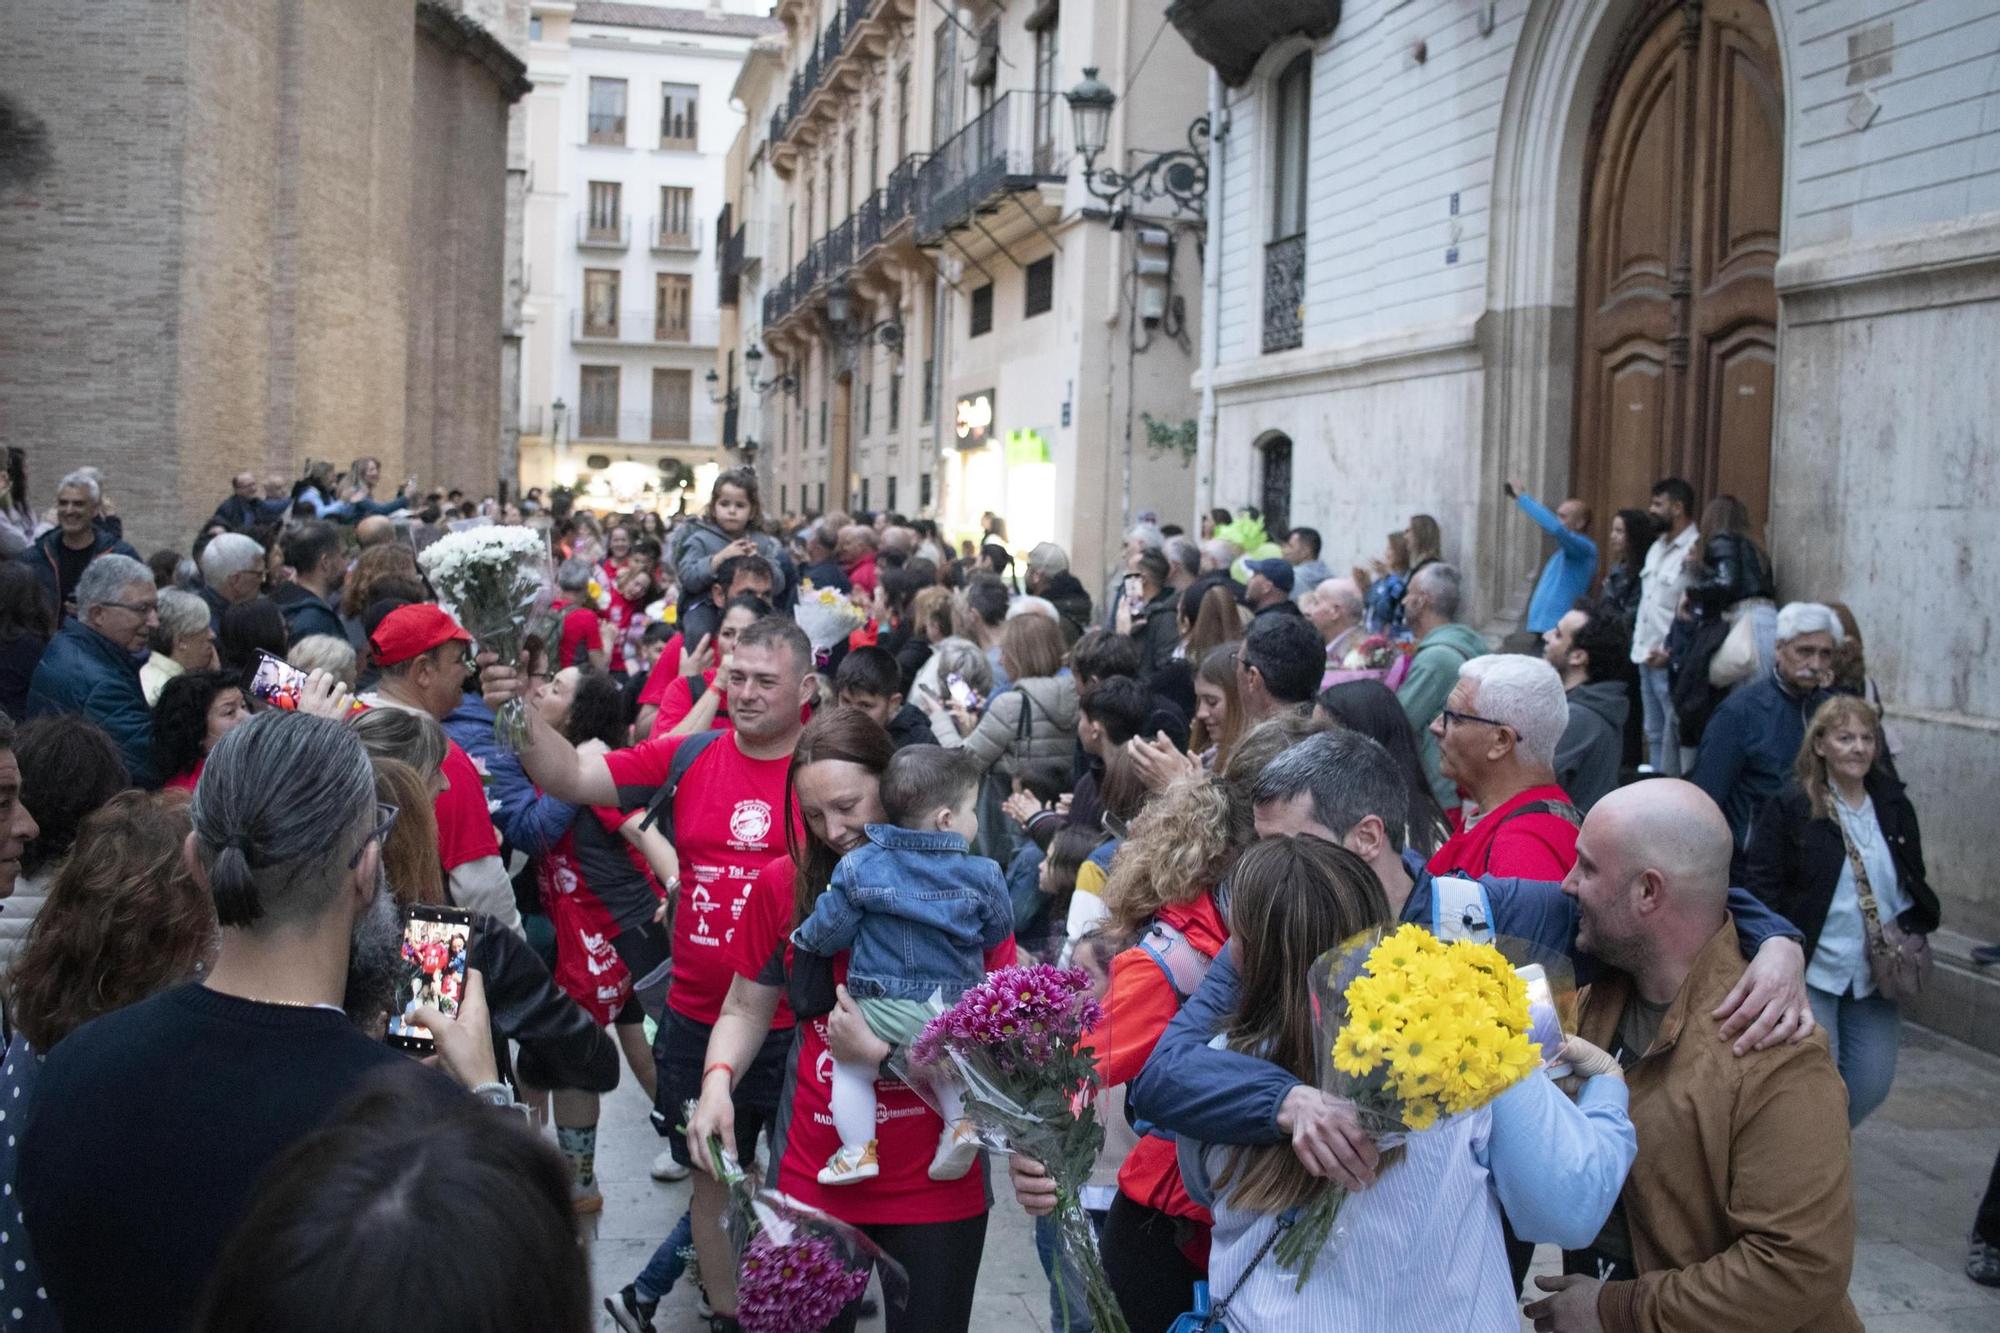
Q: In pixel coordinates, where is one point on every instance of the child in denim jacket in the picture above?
(919, 911)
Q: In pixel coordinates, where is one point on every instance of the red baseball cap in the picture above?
(413, 630)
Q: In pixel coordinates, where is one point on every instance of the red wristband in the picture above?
(719, 1064)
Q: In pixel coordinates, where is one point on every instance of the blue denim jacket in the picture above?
(917, 909)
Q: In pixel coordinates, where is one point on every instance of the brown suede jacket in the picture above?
(1740, 1204)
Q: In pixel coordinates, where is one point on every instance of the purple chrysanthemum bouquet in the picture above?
(1022, 1043)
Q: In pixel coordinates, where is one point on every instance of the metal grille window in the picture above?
(597, 417)
(607, 111)
(606, 199)
(982, 310)
(1285, 254)
(676, 215)
(677, 115)
(673, 396)
(1041, 287)
(600, 302)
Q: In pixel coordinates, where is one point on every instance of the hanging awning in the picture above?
(1233, 36)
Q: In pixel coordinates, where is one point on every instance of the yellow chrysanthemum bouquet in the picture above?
(1413, 1030)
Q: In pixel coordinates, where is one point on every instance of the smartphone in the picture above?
(1545, 1023)
(435, 943)
(282, 685)
(961, 694)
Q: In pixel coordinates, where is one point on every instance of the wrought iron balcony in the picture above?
(868, 223)
(837, 252)
(1284, 293)
(778, 302)
(1018, 143)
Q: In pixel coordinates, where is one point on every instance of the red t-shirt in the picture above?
(465, 823)
(582, 634)
(908, 1129)
(621, 613)
(1533, 846)
(587, 965)
(726, 829)
(678, 701)
(664, 673)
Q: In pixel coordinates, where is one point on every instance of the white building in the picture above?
(1592, 243)
(627, 130)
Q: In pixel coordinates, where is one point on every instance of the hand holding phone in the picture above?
(464, 1042)
(436, 941)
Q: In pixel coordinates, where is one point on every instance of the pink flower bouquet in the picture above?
(1022, 1045)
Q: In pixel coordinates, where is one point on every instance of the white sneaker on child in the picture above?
(957, 1150)
(850, 1166)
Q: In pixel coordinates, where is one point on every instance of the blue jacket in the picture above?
(85, 673)
(41, 557)
(1217, 1096)
(917, 908)
(1568, 573)
(306, 612)
(529, 821)
(1749, 747)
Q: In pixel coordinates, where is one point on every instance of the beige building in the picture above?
(272, 230)
(947, 320)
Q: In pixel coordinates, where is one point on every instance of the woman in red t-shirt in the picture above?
(934, 1229)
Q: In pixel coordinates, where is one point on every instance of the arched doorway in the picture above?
(1676, 313)
(1275, 496)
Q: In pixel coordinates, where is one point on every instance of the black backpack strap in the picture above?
(1562, 810)
(697, 686)
(660, 810)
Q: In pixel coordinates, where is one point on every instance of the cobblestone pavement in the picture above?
(1920, 1164)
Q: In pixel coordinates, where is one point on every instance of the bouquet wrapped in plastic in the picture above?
(1412, 1030)
(827, 618)
(495, 582)
(797, 1268)
(1020, 1045)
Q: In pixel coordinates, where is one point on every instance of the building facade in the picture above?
(626, 134)
(269, 232)
(1591, 243)
(950, 322)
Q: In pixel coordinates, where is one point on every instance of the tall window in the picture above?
(874, 180)
(930, 394)
(673, 392)
(1292, 106)
(677, 126)
(812, 207)
(896, 400)
(982, 310)
(673, 299)
(607, 111)
(944, 83)
(600, 302)
(597, 418)
(676, 215)
(792, 235)
(850, 171)
(605, 200)
(1048, 107)
(902, 113)
(889, 494)
(1040, 287)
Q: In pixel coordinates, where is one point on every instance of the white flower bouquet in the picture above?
(827, 618)
(495, 582)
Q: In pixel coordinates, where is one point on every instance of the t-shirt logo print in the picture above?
(750, 822)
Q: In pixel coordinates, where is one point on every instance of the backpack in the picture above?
(660, 810)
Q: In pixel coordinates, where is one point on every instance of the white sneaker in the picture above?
(850, 1166)
(958, 1149)
(666, 1168)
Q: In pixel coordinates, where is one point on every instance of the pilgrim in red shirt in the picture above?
(1539, 845)
(582, 634)
(907, 1129)
(465, 824)
(727, 812)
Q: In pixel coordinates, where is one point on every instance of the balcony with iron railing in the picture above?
(882, 211)
(852, 22)
(1018, 144)
(778, 302)
(643, 328)
(594, 231)
(672, 236)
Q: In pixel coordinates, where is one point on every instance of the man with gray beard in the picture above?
(152, 1125)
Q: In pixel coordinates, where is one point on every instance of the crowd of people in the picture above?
(741, 864)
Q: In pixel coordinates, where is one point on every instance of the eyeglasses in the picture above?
(136, 608)
(385, 820)
(1451, 717)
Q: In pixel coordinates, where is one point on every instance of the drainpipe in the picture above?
(1211, 309)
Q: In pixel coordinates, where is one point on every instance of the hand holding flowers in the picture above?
(495, 582)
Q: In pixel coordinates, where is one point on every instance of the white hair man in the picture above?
(1430, 608)
(1750, 745)
(83, 531)
(1497, 737)
(1335, 608)
(232, 571)
(91, 667)
(1049, 577)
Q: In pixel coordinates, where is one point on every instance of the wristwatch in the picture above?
(499, 1095)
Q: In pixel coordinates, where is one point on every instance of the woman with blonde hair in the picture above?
(1839, 854)
(1218, 711)
(1216, 620)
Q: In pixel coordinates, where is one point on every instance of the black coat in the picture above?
(561, 1045)
(1795, 860)
(1732, 568)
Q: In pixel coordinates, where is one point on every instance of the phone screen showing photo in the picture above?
(277, 682)
(1544, 1018)
(435, 942)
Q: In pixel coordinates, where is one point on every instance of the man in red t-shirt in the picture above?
(421, 651)
(740, 575)
(582, 636)
(728, 813)
(1497, 741)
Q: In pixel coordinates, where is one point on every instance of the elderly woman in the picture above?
(1035, 717)
(183, 642)
(1839, 854)
(953, 656)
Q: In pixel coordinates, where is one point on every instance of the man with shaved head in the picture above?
(1739, 1211)
(375, 530)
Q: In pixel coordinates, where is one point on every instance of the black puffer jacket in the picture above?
(1732, 569)
(560, 1046)
(1072, 603)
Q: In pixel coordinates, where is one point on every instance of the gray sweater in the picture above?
(997, 742)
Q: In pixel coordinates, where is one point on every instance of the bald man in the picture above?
(375, 530)
(1739, 1211)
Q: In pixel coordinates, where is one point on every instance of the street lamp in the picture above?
(714, 383)
(840, 315)
(1179, 174)
(753, 364)
(558, 411)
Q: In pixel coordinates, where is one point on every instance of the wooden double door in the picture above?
(1677, 317)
